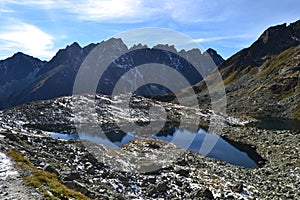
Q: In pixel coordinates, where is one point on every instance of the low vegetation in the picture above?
(46, 182)
(231, 78)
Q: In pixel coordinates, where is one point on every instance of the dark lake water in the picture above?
(277, 124)
(210, 145)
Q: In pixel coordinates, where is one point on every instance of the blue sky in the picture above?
(41, 27)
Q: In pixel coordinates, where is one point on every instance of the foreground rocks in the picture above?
(280, 175)
(190, 176)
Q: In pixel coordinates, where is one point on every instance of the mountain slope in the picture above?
(272, 42)
(263, 79)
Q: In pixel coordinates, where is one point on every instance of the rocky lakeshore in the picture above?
(25, 132)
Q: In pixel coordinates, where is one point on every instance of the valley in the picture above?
(59, 144)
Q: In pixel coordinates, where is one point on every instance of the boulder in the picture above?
(49, 168)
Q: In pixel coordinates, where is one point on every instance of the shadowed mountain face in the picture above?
(17, 73)
(263, 79)
(19, 66)
(25, 79)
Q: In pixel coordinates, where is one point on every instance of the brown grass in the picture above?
(45, 181)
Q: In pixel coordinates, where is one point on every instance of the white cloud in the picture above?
(190, 11)
(4, 10)
(132, 11)
(26, 38)
(95, 10)
(45, 3)
(212, 39)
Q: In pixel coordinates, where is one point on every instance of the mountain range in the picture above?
(261, 80)
(25, 79)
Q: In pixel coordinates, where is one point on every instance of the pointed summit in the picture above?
(218, 60)
(139, 46)
(74, 45)
(19, 54)
(116, 43)
(166, 47)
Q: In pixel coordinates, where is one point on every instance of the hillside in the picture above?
(263, 79)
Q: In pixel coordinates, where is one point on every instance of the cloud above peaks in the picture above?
(130, 11)
(26, 38)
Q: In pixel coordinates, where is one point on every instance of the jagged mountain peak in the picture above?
(194, 50)
(69, 52)
(73, 47)
(211, 51)
(138, 46)
(276, 39)
(215, 56)
(74, 44)
(20, 61)
(114, 40)
(115, 43)
(282, 31)
(61, 70)
(166, 47)
(20, 55)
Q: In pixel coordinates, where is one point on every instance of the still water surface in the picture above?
(221, 150)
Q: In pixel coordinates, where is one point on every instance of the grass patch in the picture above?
(280, 61)
(47, 182)
(253, 70)
(265, 72)
(18, 157)
(231, 78)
